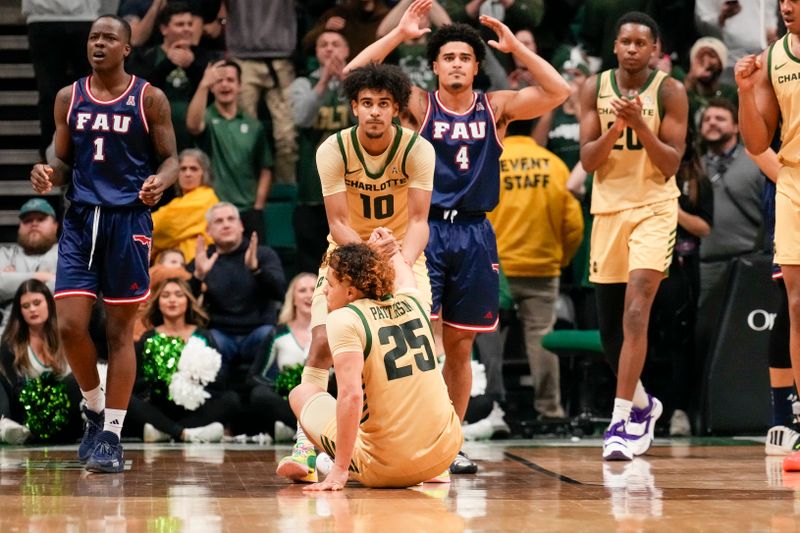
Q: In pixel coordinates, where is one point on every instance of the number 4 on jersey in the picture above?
(462, 157)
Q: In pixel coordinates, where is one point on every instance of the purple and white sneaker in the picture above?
(642, 425)
(617, 443)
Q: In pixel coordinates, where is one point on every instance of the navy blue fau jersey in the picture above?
(112, 151)
(468, 152)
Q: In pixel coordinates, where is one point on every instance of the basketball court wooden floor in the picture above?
(689, 485)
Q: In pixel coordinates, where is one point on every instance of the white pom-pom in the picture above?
(478, 379)
(186, 392)
(199, 362)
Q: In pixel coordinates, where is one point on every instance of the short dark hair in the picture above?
(172, 9)
(724, 103)
(378, 77)
(126, 26)
(235, 65)
(456, 32)
(637, 17)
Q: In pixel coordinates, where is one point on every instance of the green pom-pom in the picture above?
(288, 379)
(160, 361)
(46, 405)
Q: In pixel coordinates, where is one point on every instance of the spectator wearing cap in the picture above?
(34, 255)
(707, 59)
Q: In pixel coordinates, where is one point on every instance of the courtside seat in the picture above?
(278, 219)
(582, 348)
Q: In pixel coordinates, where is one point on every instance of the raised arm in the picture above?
(665, 147)
(595, 146)
(530, 102)
(758, 106)
(196, 112)
(407, 28)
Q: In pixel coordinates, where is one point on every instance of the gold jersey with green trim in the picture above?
(407, 414)
(628, 178)
(784, 74)
(376, 186)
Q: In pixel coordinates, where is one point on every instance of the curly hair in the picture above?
(456, 32)
(360, 265)
(378, 77)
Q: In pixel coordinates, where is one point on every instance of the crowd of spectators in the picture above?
(254, 88)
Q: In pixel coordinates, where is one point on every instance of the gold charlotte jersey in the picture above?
(628, 178)
(784, 74)
(408, 421)
(376, 186)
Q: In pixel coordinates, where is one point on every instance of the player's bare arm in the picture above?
(162, 135)
(349, 404)
(758, 106)
(338, 215)
(407, 28)
(665, 147)
(57, 171)
(416, 238)
(767, 162)
(595, 146)
(530, 102)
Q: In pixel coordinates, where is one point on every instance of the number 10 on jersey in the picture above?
(379, 207)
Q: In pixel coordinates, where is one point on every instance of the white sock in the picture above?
(640, 400)
(622, 410)
(300, 436)
(114, 420)
(95, 399)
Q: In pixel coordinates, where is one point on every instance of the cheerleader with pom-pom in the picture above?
(177, 395)
(39, 398)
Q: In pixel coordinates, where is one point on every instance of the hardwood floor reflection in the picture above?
(522, 485)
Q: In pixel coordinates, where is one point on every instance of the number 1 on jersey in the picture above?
(462, 157)
(99, 155)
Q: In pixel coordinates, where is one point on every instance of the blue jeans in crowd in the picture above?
(237, 349)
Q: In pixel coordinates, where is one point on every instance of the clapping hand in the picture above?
(203, 263)
(251, 255)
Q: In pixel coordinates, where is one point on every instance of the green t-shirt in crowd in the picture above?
(239, 150)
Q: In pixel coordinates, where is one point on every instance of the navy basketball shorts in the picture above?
(464, 273)
(105, 250)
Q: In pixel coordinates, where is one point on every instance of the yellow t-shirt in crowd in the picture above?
(538, 222)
